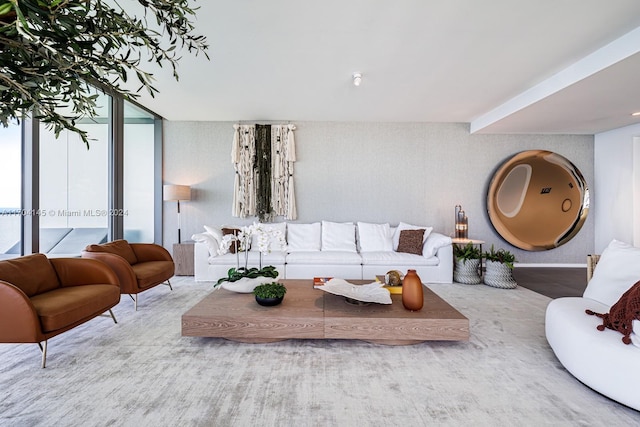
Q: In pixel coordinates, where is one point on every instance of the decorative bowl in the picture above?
(268, 302)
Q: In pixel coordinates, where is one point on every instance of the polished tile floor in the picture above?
(554, 282)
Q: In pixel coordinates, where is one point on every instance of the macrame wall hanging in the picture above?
(263, 156)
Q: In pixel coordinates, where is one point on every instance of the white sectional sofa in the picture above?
(599, 359)
(329, 249)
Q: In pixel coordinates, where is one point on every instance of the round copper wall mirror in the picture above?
(538, 200)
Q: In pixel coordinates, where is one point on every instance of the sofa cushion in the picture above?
(151, 273)
(375, 237)
(411, 241)
(117, 247)
(62, 307)
(338, 236)
(405, 226)
(304, 237)
(215, 232)
(399, 259)
(212, 237)
(209, 241)
(276, 234)
(324, 257)
(622, 314)
(33, 274)
(617, 270)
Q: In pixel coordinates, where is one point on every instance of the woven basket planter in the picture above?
(467, 272)
(499, 275)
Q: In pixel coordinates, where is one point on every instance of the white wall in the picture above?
(376, 172)
(614, 186)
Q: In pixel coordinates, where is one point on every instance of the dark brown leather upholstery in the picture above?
(139, 266)
(41, 298)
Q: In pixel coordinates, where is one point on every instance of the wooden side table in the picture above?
(183, 258)
(458, 241)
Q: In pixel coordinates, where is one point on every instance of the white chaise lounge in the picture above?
(599, 359)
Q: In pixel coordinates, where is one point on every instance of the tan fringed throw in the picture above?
(622, 314)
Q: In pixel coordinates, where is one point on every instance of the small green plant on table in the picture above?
(270, 290)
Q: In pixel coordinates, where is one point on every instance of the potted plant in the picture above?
(269, 294)
(236, 274)
(499, 269)
(467, 264)
(245, 279)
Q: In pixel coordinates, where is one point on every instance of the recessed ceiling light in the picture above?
(357, 79)
(637, 113)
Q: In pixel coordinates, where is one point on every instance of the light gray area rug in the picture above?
(142, 372)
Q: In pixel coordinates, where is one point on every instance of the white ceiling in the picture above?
(504, 66)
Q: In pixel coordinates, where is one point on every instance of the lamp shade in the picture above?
(177, 192)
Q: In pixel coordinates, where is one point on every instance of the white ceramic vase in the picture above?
(246, 285)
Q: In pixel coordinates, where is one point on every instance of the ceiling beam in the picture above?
(612, 53)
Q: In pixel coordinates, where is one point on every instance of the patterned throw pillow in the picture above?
(622, 314)
(411, 241)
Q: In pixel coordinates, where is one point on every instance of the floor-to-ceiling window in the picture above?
(74, 179)
(81, 195)
(10, 190)
(139, 166)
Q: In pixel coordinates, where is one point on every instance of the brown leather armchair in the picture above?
(41, 298)
(139, 266)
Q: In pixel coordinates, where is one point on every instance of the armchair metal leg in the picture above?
(110, 315)
(168, 284)
(113, 317)
(135, 301)
(44, 353)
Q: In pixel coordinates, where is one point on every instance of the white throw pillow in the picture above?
(434, 242)
(303, 237)
(216, 232)
(273, 230)
(338, 236)
(210, 242)
(404, 226)
(617, 270)
(375, 237)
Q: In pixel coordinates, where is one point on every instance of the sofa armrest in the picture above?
(445, 254)
(120, 266)
(435, 242)
(146, 252)
(19, 321)
(83, 271)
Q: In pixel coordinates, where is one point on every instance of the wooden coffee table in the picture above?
(310, 313)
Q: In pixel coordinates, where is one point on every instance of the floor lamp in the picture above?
(177, 193)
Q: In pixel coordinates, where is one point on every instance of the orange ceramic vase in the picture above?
(412, 297)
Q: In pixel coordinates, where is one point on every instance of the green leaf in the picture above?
(54, 51)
